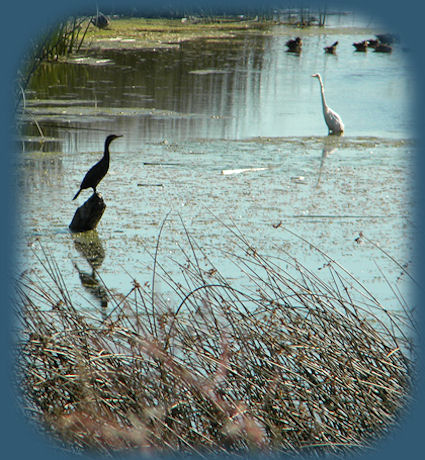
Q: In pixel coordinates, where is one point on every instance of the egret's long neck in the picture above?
(322, 92)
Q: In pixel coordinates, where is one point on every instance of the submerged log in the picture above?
(88, 215)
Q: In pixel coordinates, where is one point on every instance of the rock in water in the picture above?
(88, 215)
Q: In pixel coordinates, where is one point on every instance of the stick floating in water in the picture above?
(228, 172)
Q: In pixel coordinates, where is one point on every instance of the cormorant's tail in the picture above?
(77, 194)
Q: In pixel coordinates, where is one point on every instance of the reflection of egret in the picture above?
(332, 119)
(328, 149)
(97, 172)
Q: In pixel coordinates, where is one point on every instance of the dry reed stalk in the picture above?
(292, 363)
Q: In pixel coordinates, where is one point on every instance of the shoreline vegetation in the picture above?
(294, 362)
(145, 33)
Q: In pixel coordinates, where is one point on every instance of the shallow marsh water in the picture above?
(194, 112)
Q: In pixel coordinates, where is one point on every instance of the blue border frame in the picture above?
(22, 21)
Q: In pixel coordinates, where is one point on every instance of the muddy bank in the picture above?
(143, 33)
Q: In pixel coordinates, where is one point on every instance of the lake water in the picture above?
(191, 113)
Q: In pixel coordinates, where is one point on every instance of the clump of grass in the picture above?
(290, 363)
(60, 40)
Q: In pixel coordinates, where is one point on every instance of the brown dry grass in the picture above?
(291, 364)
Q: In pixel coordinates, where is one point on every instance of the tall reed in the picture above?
(59, 40)
(289, 363)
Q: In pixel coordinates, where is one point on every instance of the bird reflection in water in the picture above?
(89, 245)
(328, 149)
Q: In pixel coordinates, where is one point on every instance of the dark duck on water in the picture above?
(383, 48)
(361, 46)
(294, 45)
(98, 171)
(331, 49)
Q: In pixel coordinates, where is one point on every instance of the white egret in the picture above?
(332, 119)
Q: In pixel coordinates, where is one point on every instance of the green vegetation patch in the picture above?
(154, 33)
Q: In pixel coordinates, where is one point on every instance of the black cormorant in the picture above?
(97, 172)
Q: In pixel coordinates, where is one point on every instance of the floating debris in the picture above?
(90, 61)
(228, 172)
(298, 179)
(359, 239)
(150, 185)
(207, 71)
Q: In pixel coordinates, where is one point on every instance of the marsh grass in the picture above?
(163, 33)
(58, 41)
(290, 363)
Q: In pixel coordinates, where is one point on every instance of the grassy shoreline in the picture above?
(145, 33)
